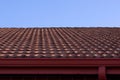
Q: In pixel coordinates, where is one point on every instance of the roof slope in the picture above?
(59, 42)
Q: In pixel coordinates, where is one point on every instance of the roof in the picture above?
(59, 42)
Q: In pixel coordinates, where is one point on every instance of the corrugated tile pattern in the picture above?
(59, 42)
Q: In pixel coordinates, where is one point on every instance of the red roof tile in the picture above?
(59, 42)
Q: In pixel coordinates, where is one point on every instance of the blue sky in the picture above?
(59, 13)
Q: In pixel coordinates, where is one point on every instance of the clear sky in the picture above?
(63, 13)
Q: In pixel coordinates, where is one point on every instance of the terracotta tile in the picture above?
(62, 42)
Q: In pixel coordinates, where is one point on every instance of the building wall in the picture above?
(48, 77)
